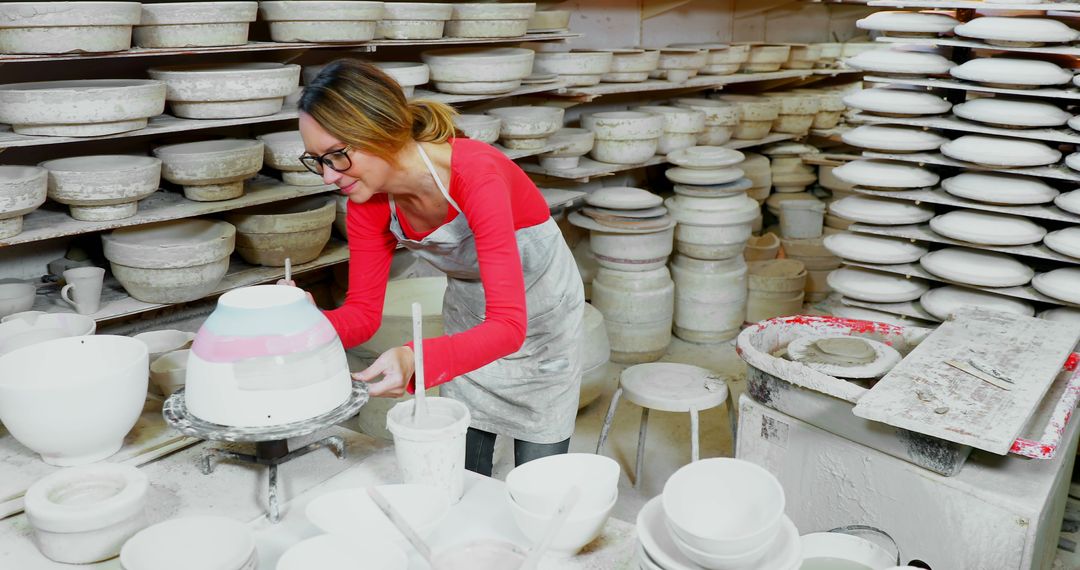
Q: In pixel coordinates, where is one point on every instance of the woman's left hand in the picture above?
(396, 367)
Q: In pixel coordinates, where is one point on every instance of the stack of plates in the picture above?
(628, 210)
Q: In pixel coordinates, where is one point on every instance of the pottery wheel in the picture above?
(844, 356)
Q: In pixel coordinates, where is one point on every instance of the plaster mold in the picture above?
(1062, 284)
(706, 157)
(1000, 188)
(549, 21)
(942, 302)
(723, 59)
(977, 267)
(296, 230)
(527, 127)
(80, 108)
(765, 58)
(478, 71)
(756, 115)
(1017, 32)
(194, 24)
(407, 74)
(844, 356)
(631, 65)
(282, 150)
(211, 170)
(882, 174)
(1011, 113)
(170, 262)
(797, 112)
(413, 20)
(874, 249)
(897, 102)
(484, 128)
(577, 68)
(880, 211)
(1069, 201)
(624, 137)
(224, 544)
(637, 308)
(908, 24)
(73, 415)
(712, 234)
(1064, 241)
(803, 56)
(893, 139)
(85, 514)
(226, 91)
(321, 21)
(721, 119)
(987, 228)
(679, 64)
(22, 190)
(479, 20)
(681, 126)
(876, 287)
(102, 187)
(1062, 314)
(1000, 152)
(67, 27)
(1011, 73)
(578, 143)
(893, 62)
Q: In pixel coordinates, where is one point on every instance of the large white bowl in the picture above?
(724, 506)
(539, 485)
(73, 399)
(351, 512)
(580, 528)
(335, 552)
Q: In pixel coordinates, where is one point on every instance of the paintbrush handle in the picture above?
(399, 522)
(420, 408)
(553, 527)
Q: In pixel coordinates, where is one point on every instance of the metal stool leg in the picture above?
(608, 419)
(733, 420)
(639, 468)
(695, 452)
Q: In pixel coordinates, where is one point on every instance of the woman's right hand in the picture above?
(291, 283)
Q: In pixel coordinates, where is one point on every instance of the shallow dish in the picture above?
(976, 267)
(987, 228)
(1062, 284)
(1011, 72)
(896, 102)
(875, 286)
(880, 211)
(1011, 113)
(874, 249)
(898, 62)
(223, 543)
(904, 23)
(1069, 201)
(1000, 188)
(893, 139)
(885, 174)
(1065, 241)
(942, 302)
(1017, 31)
(1000, 152)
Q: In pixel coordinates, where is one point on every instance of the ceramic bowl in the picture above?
(885, 174)
(723, 506)
(874, 249)
(16, 298)
(484, 128)
(52, 28)
(1065, 241)
(539, 485)
(1011, 72)
(904, 23)
(320, 21)
(80, 108)
(478, 70)
(881, 211)
(1062, 284)
(581, 527)
(22, 190)
(896, 102)
(893, 139)
(224, 544)
(1000, 188)
(875, 286)
(194, 24)
(168, 371)
(942, 302)
(987, 228)
(76, 409)
(1069, 201)
(271, 233)
(102, 187)
(977, 267)
(38, 327)
(897, 62)
(1000, 152)
(226, 91)
(1019, 32)
(351, 512)
(336, 552)
(1011, 113)
(578, 67)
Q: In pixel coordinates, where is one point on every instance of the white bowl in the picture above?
(168, 372)
(1017, 31)
(900, 62)
(901, 22)
(351, 512)
(581, 527)
(988, 228)
(977, 267)
(16, 298)
(942, 302)
(1062, 284)
(875, 286)
(73, 399)
(1000, 188)
(1011, 113)
(893, 139)
(1000, 151)
(335, 552)
(1011, 72)
(748, 559)
(224, 544)
(889, 102)
(39, 327)
(838, 550)
(539, 485)
(724, 506)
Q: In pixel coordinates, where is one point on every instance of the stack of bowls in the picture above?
(624, 137)
(789, 173)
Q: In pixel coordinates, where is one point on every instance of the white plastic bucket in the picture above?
(432, 454)
(801, 219)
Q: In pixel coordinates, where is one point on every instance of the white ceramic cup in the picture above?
(86, 282)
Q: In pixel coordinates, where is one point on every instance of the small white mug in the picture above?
(87, 283)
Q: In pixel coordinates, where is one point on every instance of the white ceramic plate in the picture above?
(874, 286)
(1000, 151)
(1017, 29)
(1069, 201)
(893, 139)
(885, 101)
(623, 198)
(1062, 284)
(974, 267)
(1011, 71)
(880, 211)
(987, 228)
(874, 249)
(900, 21)
(702, 177)
(1065, 242)
(1000, 188)
(897, 61)
(885, 174)
(1011, 112)
(705, 157)
(944, 301)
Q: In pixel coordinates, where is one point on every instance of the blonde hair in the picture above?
(365, 108)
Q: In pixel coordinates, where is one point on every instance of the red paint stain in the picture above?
(1072, 362)
(856, 326)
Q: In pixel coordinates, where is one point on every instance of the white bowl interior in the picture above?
(723, 499)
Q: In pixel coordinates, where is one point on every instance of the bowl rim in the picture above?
(773, 481)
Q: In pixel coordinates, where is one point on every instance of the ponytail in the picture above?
(433, 122)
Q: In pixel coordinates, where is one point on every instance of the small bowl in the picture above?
(16, 298)
(162, 342)
(539, 484)
(350, 512)
(334, 552)
(719, 562)
(581, 528)
(169, 370)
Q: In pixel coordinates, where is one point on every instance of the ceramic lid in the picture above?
(987, 228)
(975, 267)
(1011, 71)
(862, 314)
(703, 177)
(898, 61)
(1017, 29)
(623, 198)
(874, 249)
(895, 139)
(897, 101)
(875, 286)
(885, 174)
(1062, 284)
(789, 148)
(705, 157)
(1069, 201)
(1000, 188)
(1074, 123)
(942, 302)
(1073, 161)
(1062, 315)
(223, 544)
(881, 211)
(1065, 242)
(910, 22)
(1001, 111)
(1000, 151)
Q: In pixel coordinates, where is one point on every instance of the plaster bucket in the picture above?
(802, 219)
(433, 452)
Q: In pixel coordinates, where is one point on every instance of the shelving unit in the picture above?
(922, 232)
(940, 196)
(1071, 94)
(1054, 49)
(954, 123)
(1056, 171)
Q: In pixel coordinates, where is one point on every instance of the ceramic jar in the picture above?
(710, 298)
(494, 20)
(478, 71)
(721, 119)
(637, 308)
(297, 230)
(103, 187)
(194, 24)
(227, 91)
(22, 190)
(413, 20)
(80, 108)
(321, 21)
(211, 170)
(624, 137)
(631, 65)
(681, 126)
(67, 27)
(775, 289)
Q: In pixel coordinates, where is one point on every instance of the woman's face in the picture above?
(365, 178)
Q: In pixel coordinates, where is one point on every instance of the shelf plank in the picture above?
(954, 123)
(698, 82)
(975, 5)
(284, 46)
(922, 232)
(940, 196)
(1066, 49)
(1049, 92)
(1055, 171)
(909, 309)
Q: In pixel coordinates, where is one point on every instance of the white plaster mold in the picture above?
(296, 230)
(321, 21)
(976, 267)
(66, 27)
(478, 71)
(624, 137)
(226, 91)
(880, 211)
(22, 190)
(1000, 188)
(102, 187)
(577, 143)
(942, 302)
(194, 24)
(80, 108)
(1011, 73)
(527, 126)
(1062, 284)
(408, 74)
(896, 102)
(578, 68)
(481, 20)
(413, 20)
(224, 544)
(1017, 31)
(484, 128)
(875, 286)
(905, 23)
(1011, 113)
(1000, 152)
(891, 139)
(211, 170)
(987, 228)
(896, 62)
(282, 150)
(874, 249)
(885, 174)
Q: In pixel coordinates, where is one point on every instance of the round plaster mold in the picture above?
(321, 21)
(282, 151)
(1069, 201)
(880, 211)
(706, 157)
(271, 233)
(407, 74)
(577, 143)
(22, 190)
(897, 102)
(80, 108)
(413, 20)
(1017, 32)
(904, 23)
(226, 91)
(900, 63)
(1011, 113)
(67, 27)
(549, 21)
(578, 68)
(102, 187)
(876, 287)
(677, 119)
(844, 356)
(1011, 73)
(942, 302)
(1000, 152)
(473, 71)
(885, 175)
(1062, 284)
(874, 249)
(494, 20)
(976, 267)
(1000, 188)
(483, 128)
(623, 198)
(987, 228)
(703, 177)
(194, 24)
(1065, 241)
(527, 127)
(211, 170)
(893, 139)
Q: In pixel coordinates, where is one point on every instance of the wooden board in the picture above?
(913, 395)
(953, 123)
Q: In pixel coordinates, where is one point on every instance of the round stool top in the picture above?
(673, 387)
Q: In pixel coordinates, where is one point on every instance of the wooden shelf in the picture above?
(1055, 49)
(1046, 92)
(283, 46)
(554, 86)
(909, 309)
(940, 196)
(953, 123)
(699, 82)
(1056, 171)
(922, 232)
(975, 5)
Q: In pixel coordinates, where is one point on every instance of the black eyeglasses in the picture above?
(337, 160)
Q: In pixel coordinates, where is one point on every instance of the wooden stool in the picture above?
(668, 387)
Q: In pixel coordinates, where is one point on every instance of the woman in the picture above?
(514, 299)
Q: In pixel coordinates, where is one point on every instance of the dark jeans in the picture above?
(480, 447)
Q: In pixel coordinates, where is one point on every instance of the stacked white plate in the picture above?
(880, 211)
(874, 249)
(987, 228)
(1011, 113)
(893, 139)
(1000, 152)
(897, 102)
(886, 175)
(1011, 72)
(1000, 188)
(630, 230)
(976, 267)
(1017, 32)
(898, 62)
(944, 301)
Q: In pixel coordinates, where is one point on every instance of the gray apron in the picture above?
(531, 394)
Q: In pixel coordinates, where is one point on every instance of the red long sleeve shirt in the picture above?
(496, 198)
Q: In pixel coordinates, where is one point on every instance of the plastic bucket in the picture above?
(433, 451)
